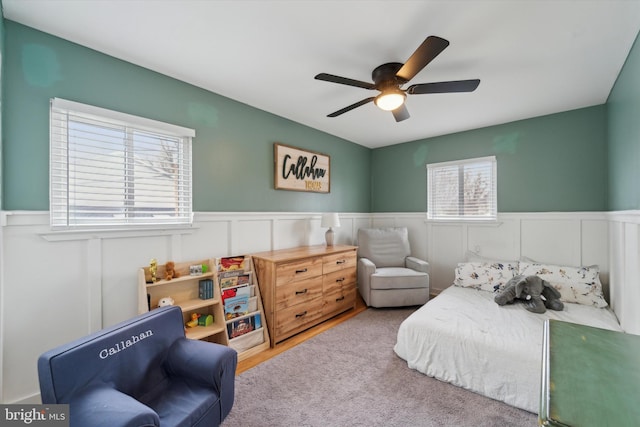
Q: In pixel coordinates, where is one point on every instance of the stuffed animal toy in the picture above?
(163, 302)
(170, 270)
(535, 293)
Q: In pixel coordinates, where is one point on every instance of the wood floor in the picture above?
(299, 338)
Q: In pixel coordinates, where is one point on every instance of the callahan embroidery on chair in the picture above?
(123, 345)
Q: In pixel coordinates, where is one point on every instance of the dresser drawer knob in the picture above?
(304, 313)
(304, 270)
(340, 299)
(342, 261)
(304, 291)
(340, 280)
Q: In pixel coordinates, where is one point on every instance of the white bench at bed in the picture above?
(463, 337)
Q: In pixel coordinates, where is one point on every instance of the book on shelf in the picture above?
(236, 302)
(244, 325)
(236, 278)
(205, 289)
(232, 263)
(235, 291)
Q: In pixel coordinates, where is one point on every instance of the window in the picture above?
(109, 169)
(462, 190)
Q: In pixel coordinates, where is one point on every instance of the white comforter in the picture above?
(463, 337)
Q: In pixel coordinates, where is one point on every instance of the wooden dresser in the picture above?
(304, 286)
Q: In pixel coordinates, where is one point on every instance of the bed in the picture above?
(464, 338)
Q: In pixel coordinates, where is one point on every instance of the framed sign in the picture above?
(301, 170)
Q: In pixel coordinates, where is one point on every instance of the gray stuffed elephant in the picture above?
(522, 287)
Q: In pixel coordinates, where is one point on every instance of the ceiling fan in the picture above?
(389, 78)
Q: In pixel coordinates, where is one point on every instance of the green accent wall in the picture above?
(232, 151)
(623, 108)
(580, 160)
(549, 163)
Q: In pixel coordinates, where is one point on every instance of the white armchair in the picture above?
(388, 276)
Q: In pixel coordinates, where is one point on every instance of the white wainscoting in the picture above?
(56, 287)
(624, 261)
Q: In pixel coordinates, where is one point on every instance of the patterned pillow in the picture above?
(486, 276)
(580, 285)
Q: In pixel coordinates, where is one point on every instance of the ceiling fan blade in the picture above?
(444, 87)
(401, 113)
(344, 81)
(351, 107)
(428, 50)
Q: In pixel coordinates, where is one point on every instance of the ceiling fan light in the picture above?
(390, 100)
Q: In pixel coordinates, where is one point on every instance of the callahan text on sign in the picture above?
(301, 170)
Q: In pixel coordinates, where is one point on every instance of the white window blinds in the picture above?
(464, 189)
(109, 169)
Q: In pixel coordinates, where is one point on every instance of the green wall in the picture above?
(624, 135)
(581, 160)
(550, 163)
(232, 151)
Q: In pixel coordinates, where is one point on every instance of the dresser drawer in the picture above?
(297, 316)
(338, 302)
(340, 280)
(339, 261)
(298, 292)
(298, 270)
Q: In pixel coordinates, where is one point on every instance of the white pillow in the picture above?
(486, 276)
(580, 285)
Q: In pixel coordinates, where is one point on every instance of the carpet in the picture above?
(350, 376)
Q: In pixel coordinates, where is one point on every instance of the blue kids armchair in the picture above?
(141, 372)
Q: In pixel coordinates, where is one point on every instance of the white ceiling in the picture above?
(532, 57)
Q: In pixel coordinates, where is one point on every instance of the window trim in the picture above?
(494, 196)
(127, 121)
(123, 118)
